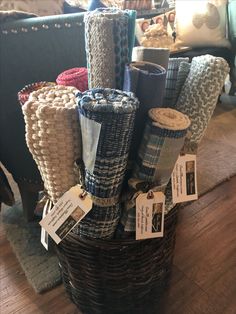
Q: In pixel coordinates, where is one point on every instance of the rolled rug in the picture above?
(182, 75)
(158, 56)
(53, 136)
(199, 95)
(23, 94)
(107, 46)
(77, 77)
(147, 81)
(107, 120)
(161, 144)
(171, 80)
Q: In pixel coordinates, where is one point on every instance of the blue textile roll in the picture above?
(161, 144)
(107, 120)
(147, 81)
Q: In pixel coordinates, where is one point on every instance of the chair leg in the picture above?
(29, 197)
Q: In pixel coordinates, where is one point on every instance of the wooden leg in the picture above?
(29, 197)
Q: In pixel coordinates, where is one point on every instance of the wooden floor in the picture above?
(204, 271)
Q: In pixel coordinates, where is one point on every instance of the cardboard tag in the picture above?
(44, 234)
(184, 179)
(150, 215)
(67, 213)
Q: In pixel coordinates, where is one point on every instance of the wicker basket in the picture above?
(117, 276)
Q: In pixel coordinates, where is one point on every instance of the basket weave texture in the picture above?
(117, 276)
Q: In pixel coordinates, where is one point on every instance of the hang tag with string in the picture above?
(184, 179)
(44, 235)
(69, 210)
(150, 209)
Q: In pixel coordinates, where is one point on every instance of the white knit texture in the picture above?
(53, 136)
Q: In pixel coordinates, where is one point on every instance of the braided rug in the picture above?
(199, 95)
(107, 46)
(113, 111)
(53, 136)
(162, 141)
(147, 81)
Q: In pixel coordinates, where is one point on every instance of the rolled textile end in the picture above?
(162, 141)
(77, 77)
(199, 94)
(107, 120)
(107, 46)
(147, 81)
(158, 56)
(24, 93)
(53, 136)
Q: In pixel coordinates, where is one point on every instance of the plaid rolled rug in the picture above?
(199, 95)
(171, 81)
(53, 136)
(161, 144)
(107, 46)
(147, 81)
(107, 120)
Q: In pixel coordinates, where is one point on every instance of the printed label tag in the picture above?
(184, 179)
(44, 234)
(67, 213)
(150, 215)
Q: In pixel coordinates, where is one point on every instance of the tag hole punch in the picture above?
(150, 195)
(83, 195)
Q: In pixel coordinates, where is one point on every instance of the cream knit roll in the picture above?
(53, 136)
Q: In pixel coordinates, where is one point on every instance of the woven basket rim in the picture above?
(105, 243)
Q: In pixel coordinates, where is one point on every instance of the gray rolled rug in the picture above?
(199, 95)
(158, 56)
(107, 34)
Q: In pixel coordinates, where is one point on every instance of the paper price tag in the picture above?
(184, 179)
(44, 234)
(67, 213)
(150, 215)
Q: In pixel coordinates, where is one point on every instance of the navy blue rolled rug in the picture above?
(107, 121)
(147, 81)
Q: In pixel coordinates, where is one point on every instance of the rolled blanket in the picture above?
(147, 81)
(171, 80)
(23, 95)
(182, 75)
(53, 136)
(77, 77)
(200, 93)
(107, 120)
(162, 141)
(158, 56)
(107, 46)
